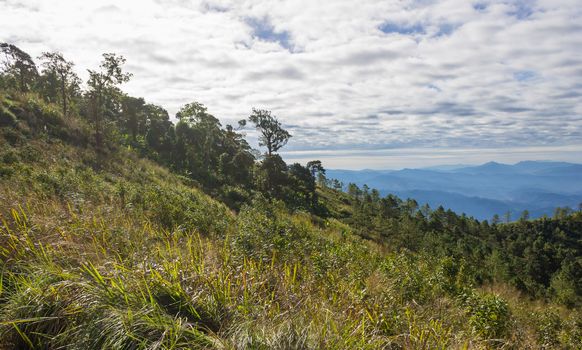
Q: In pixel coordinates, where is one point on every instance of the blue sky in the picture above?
(360, 84)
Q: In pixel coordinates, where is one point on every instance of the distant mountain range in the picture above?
(480, 191)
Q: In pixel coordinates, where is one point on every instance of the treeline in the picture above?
(542, 257)
(197, 146)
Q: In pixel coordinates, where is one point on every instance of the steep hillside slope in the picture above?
(105, 250)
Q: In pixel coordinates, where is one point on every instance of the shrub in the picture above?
(489, 314)
(548, 327)
(7, 118)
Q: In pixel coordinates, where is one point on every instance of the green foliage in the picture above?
(214, 156)
(413, 278)
(548, 327)
(566, 283)
(434, 335)
(539, 257)
(219, 159)
(7, 117)
(489, 315)
(29, 115)
(571, 334)
(59, 82)
(272, 134)
(18, 70)
(266, 233)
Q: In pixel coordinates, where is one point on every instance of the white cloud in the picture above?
(484, 74)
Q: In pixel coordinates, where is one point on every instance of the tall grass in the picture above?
(120, 284)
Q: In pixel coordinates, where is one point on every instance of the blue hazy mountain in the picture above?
(480, 191)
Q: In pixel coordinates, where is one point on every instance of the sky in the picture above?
(359, 84)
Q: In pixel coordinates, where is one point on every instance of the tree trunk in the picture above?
(98, 120)
(22, 83)
(269, 146)
(64, 96)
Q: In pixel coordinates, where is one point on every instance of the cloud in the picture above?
(276, 74)
(367, 57)
(399, 158)
(346, 75)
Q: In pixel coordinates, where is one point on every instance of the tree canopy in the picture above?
(272, 134)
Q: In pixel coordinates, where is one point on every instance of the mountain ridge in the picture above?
(536, 186)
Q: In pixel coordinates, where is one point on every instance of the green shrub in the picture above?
(489, 315)
(12, 136)
(571, 335)
(548, 328)
(7, 118)
(6, 171)
(262, 233)
(412, 277)
(10, 157)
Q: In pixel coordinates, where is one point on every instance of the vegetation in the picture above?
(541, 258)
(141, 233)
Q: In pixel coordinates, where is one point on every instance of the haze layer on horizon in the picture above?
(360, 84)
(396, 159)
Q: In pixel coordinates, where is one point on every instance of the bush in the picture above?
(7, 118)
(548, 328)
(489, 315)
(10, 157)
(262, 233)
(6, 171)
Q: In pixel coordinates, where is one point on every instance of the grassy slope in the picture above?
(113, 251)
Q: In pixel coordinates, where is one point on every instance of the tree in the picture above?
(159, 131)
(562, 212)
(496, 220)
(315, 167)
(354, 191)
(60, 72)
(507, 216)
(18, 67)
(196, 113)
(103, 83)
(237, 160)
(272, 176)
(202, 138)
(302, 185)
(566, 283)
(411, 205)
(134, 118)
(273, 136)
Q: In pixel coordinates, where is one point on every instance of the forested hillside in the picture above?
(122, 229)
